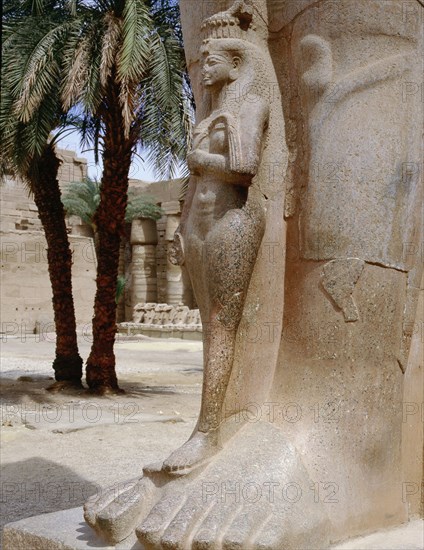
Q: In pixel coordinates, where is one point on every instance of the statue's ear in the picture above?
(234, 72)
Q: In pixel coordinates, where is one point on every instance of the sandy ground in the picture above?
(58, 449)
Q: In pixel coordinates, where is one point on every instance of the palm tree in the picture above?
(125, 66)
(28, 152)
(122, 64)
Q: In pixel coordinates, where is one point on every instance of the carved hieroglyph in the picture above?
(301, 234)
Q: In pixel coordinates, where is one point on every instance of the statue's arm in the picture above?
(253, 119)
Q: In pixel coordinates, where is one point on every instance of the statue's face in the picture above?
(219, 69)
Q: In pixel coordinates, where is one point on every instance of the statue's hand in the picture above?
(176, 250)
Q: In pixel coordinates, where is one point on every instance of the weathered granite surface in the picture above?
(301, 233)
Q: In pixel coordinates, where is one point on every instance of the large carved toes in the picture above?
(214, 526)
(256, 494)
(99, 502)
(291, 527)
(151, 531)
(264, 524)
(229, 526)
(115, 513)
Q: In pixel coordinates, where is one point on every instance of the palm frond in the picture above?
(41, 75)
(142, 206)
(23, 144)
(82, 199)
(167, 113)
(121, 283)
(111, 40)
(93, 93)
(38, 6)
(127, 101)
(134, 54)
(81, 64)
(75, 68)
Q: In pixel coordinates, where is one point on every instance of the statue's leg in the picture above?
(229, 253)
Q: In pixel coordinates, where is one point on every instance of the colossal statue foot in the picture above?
(256, 494)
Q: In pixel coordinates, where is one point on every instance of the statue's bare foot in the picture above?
(195, 453)
(113, 514)
(254, 494)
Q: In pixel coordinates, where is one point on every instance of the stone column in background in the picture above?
(143, 270)
(178, 287)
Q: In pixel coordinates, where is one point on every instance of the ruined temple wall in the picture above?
(25, 286)
(26, 294)
(18, 209)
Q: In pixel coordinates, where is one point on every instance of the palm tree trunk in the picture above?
(109, 219)
(45, 186)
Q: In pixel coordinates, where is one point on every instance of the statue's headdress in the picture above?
(232, 23)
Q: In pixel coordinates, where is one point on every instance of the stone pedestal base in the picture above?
(67, 530)
(64, 530)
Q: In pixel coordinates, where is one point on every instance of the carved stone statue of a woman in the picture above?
(223, 223)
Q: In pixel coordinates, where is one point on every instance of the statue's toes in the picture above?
(272, 537)
(245, 524)
(180, 531)
(150, 532)
(96, 503)
(185, 462)
(90, 510)
(213, 526)
(205, 540)
(118, 519)
(176, 464)
(170, 465)
(229, 526)
(286, 528)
